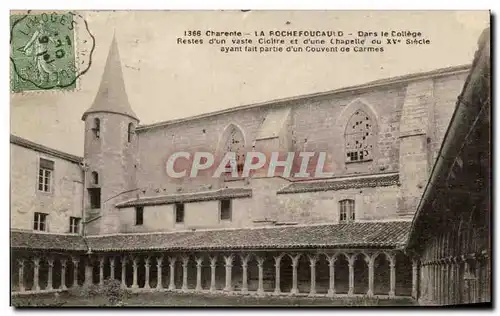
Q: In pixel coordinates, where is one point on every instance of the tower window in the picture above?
(40, 222)
(97, 128)
(45, 170)
(179, 212)
(130, 132)
(74, 224)
(225, 210)
(95, 198)
(359, 138)
(139, 215)
(347, 211)
(95, 178)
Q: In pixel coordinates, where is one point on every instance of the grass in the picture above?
(198, 300)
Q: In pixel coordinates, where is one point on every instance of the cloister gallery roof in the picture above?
(366, 234)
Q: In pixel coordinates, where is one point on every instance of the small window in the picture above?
(179, 212)
(45, 175)
(130, 132)
(74, 224)
(40, 222)
(139, 215)
(97, 128)
(95, 178)
(95, 198)
(225, 210)
(347, 211)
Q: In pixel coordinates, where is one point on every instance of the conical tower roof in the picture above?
(112, 97)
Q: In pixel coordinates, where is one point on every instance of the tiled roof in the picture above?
(342, 184)
(188, 197)
(368, 234)
(43, 241)
(43, 149)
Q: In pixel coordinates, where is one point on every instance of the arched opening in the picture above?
(322, 274)
(359, 137)
(178, 273)
(141, 271)
(205, 272)
(191, 272)
(234, 142)
(14, 272)
(342, 274)
(153, 272)
(118, 268)
(253, 273)
(269, 272)
(360, 274)
(29, 273)
(220, 273)
(56, 274)
(304, 274)
(237, 273)
(95, 272)
(129, 272)
(70, 272)
(381, 274)
(403, 275)
(286, 273)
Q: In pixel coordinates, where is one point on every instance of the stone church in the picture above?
(115, 213)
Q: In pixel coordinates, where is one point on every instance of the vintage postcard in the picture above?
(250, 158)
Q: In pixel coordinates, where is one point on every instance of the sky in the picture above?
(166, 80)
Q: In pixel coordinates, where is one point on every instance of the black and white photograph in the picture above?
(243, 158)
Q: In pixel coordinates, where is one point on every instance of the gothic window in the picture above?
(347, 211)
(235, 143)
(359, 137)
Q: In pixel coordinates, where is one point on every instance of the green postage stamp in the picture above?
(45, 54)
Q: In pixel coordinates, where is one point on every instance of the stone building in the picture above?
(115, 213)
(450, 236)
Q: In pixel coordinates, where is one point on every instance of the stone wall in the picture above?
(63, 201)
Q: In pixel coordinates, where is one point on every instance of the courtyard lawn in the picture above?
(193, 300)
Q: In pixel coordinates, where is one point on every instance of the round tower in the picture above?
(110, 150)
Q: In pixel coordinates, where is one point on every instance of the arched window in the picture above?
(95, 178)
(347, 211)
(130, 132)
(359, 137)
(97, 127)
(236, 143)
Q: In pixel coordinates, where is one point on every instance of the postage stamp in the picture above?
(46, 51)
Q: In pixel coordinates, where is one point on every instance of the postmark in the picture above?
(49, 50)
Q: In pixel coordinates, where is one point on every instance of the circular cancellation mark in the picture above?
(47, 52)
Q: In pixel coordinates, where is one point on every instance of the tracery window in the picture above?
(235, 143)
(359, 137)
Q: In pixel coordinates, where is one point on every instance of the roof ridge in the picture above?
(368, 85)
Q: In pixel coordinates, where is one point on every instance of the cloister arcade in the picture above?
(372, 273)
